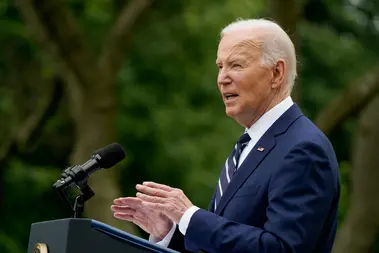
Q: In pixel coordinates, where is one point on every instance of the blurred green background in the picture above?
(77, 75)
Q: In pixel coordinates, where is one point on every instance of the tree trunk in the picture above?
(358, 231)
(94, 115)
(91, 86)
(287, 14)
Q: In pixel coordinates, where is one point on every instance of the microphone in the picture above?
(101, 159)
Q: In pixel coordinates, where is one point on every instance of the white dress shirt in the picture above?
(256, 131)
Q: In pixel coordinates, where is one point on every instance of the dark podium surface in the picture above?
(86, 235)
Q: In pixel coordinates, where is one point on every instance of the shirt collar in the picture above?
(264, 123)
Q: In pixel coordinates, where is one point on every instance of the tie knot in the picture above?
(244, 138)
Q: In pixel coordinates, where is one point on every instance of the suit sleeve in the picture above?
(300, 197)
(177, 242)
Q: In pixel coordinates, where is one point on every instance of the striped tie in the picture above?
(230, 167)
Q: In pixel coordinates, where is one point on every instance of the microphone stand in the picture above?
(78, 207)
(80, 179)
(85, 194)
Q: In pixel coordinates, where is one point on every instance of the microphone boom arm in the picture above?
(77, 176)
(79, 179)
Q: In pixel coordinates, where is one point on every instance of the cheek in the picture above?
(253, 89)
(239, 80)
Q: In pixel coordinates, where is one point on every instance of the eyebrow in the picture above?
(233, 58)
(243, 56)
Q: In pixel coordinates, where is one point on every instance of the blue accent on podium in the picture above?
(119, 234)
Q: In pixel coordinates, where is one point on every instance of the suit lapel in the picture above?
(257, 155)
(251, 162)
(212, 203)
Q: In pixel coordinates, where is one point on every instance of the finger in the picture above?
(152, 191)
(139, 221)
(151, 199)
(117, 202)
(158, 186)
(128, 201)
(122, 216)
(123, 209)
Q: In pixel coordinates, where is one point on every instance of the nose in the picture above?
(223, 77)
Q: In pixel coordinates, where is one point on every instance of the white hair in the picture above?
(276, 44)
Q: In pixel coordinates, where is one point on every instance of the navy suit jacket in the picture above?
(283, 199)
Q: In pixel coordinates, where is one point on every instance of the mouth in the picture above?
(230, 96)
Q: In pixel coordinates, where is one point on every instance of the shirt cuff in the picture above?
(186, 218)
(166, 240)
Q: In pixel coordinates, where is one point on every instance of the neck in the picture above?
(271, 103)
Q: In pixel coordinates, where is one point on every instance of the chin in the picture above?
(231, 112)
(238, 116)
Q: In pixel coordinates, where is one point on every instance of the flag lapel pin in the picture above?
(260, 149)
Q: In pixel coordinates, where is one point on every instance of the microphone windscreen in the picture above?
(110, 155)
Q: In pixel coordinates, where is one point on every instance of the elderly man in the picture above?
(279, 189)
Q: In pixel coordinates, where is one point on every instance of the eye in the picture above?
(219, 66)
(236, 65)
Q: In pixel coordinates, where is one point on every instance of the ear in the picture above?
(278, 74)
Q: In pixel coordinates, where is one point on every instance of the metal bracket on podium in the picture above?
(79, 180)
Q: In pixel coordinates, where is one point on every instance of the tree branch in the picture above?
(110, 59)
(288, 14)
(356, 97)
(28, 131)
(55, 28)
(32, 127)
(37, 28)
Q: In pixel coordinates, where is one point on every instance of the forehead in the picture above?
(238, 44)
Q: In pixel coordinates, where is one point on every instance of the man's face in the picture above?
(244, 83)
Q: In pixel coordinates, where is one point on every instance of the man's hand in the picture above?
(152, 221)
(170, 201)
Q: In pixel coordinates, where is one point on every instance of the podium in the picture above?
(74, 235)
